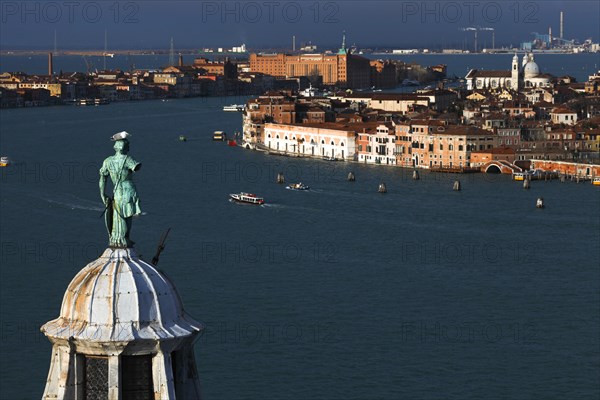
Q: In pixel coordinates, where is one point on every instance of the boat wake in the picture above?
(274, 205)
(81, 204)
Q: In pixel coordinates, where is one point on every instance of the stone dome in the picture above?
(121, 298)
(531, 69)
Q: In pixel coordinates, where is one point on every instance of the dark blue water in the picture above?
(580, 66)
(335, 293)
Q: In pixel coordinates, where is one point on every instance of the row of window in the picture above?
(311, 141)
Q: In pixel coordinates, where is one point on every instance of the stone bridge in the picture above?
(500, 167)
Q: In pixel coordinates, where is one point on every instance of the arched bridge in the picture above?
(500, 167)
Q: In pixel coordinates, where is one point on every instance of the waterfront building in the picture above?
(225, 68)
(377, 143)
(10, 98)
(583, 170)
(55, 88)
(342, 69)
(435, 145)
(273, 107)
(503, 154)
(16, 81)
(330, 140)
(527, 75)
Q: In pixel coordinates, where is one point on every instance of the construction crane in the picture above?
(88, 65)
(475, 30)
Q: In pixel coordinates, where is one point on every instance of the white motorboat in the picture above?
(247, 198)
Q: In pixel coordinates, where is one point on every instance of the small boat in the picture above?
(297, 186)
(92, 102)
(540, 202)
(182, 138)
(231, 143)
(329, 158)
(596, 181)
(4, 162)
(521, 176)
(234, 107)
(247, 198)
(219, 135)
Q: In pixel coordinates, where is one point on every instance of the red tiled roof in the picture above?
(562, 110)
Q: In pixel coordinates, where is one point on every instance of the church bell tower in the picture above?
(515, 74)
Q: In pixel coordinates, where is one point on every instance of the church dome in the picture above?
(531, 70)
(119, 297)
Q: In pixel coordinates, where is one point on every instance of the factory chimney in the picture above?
(561, 25)
(50, 66)
(180, 60)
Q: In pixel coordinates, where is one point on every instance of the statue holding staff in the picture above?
(125, 202)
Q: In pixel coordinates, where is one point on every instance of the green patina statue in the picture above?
(125, 204)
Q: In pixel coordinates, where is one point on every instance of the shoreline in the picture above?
(187, 52)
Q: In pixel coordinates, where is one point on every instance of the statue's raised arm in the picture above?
(125, 202)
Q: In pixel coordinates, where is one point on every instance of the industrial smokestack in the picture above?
(181, 60)
(50, 66)
(561, 25)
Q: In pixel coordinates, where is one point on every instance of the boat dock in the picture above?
(455, 170)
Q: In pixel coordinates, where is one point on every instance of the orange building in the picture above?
(341, 69)
(225, 68)
(433, 144)
(479, 158)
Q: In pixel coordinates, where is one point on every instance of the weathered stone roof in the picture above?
(121, 298)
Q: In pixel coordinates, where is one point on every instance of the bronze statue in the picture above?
(125, 204)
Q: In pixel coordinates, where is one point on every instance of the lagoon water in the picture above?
(335, 293)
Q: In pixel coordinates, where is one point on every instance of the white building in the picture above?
(378, 146)
(330, 140)
(401, 103)
(239, 49)
(122, 334)
(527, 75)
(563, 115)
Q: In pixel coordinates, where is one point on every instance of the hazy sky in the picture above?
(195, 23)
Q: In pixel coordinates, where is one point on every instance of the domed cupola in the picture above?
(531, 69)
(117, 298)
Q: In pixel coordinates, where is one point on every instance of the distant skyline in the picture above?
(150, 24)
